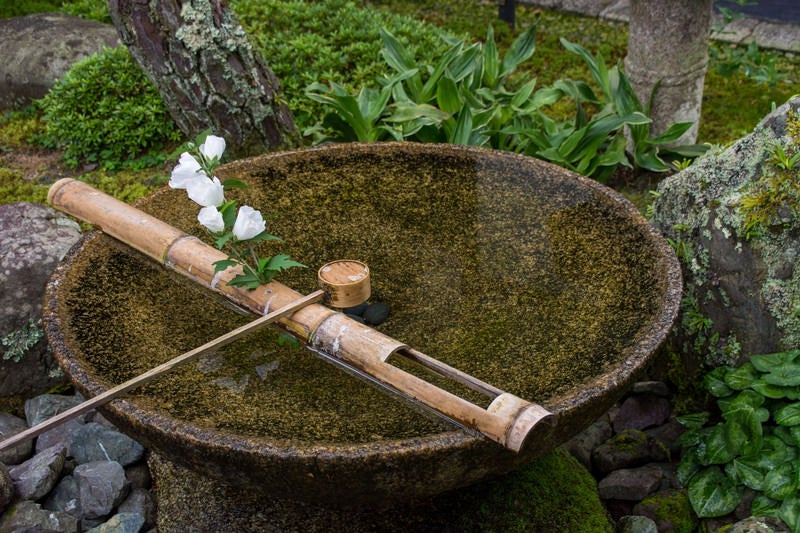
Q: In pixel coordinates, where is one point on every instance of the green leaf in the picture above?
(716, 450)
(491, 59)
(396, 55)
(223, 264)
(404, 112)
(714, 382)
(521, 49)
(447, 96)
(763, 506)
(231, 183)
(281, 262)
(712, 493)
(742, 378)
(780, 482)
(749, 473)
(773, 361)
(264, 236)
(790, 512)
(788, 415)
(672, 133)
(463, 130)
(220, 241)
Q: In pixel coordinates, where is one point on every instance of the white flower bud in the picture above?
(211, 218)
(213, 147)
(206, 192)
(249, 223)
(187, 169)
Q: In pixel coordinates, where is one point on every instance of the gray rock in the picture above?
(26, 515)
(6, 488)
(740, 278)
(38, 475)
(641, 411)
(582, 444)
(45, 406)
(120, 523)
(10, 425)
(667, 434)
(102, 486)
(40, 48)
(141, 502)
(59, 435)
(762, 524)
(34, 238)
(65, 497)
(659, 388)
(632, 484)
(94, 442)
(636, 524)
(376, 314)
(629, 449)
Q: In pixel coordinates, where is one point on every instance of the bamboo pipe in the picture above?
(508, 420)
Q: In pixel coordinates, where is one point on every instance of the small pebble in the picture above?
(376, 314)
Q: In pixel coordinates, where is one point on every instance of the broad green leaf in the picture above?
(223, 264)
(232, 183)
(281, 262)
(764, 506)
(520, 98)
(404, 112)
(464, 63)
(780, 482)
(772, 361)
(716, 450)
(743, 431)
(220, 242)
(447, 96)
(712, 493)
(788, 415)
(521, 49)
(689, 466)
(714, 382)
(749, 473)
(787, 375)
(773, 391)
(463, 130)
(396, 55)
(694, 420)
(672, 133)
(790, 512)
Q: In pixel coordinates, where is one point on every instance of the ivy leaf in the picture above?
(749, 472)
(712, 493)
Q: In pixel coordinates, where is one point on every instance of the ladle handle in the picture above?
(119, 390)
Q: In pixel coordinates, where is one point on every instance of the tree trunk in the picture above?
(207, 72)
(668, 45)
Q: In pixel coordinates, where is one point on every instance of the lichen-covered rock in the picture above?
(734, 219)
(34, 238)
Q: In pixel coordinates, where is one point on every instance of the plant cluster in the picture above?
(472, 96)
(755, 444)
(105, 111)
(332, 41)
(235, 231)
(18, 342)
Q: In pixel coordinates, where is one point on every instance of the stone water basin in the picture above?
(529, 277)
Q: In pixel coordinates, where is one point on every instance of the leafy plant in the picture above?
(106, 111)
(755, 444)
(473, 96)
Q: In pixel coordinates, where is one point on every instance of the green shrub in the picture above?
(106, 111)
(331, 41)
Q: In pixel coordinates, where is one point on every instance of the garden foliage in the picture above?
(471, 95)
(755, 444)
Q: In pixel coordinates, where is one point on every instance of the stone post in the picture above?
(668, 43)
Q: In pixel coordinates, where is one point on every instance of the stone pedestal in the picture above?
(668, 45)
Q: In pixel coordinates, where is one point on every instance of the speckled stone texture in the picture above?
(33, 238)
(745, 284)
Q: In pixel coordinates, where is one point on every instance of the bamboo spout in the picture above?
(508, 420)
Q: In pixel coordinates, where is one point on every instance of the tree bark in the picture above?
(668, 45)
(208, 73)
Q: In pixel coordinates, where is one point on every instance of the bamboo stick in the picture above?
(508, 420)
(160, 370)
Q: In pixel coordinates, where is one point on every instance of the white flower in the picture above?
(187, 169)
(206, 192)
(213, 147)
(211, 218)
(249, 223)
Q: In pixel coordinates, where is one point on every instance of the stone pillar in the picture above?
(668, 43)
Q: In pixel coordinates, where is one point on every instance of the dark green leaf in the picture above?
(716, 450)
(780, 482)
(790, 512)
(282, 262)
(749, 473)
(223, 264)
(491, 60)
(447, 96)
(712, 493)
(763, 506)
(788, 415)
(264, 236)
(773, 361)
(714, 382)
(463, 130)
(521, 49)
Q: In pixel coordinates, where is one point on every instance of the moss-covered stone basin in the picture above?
(531, 278)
